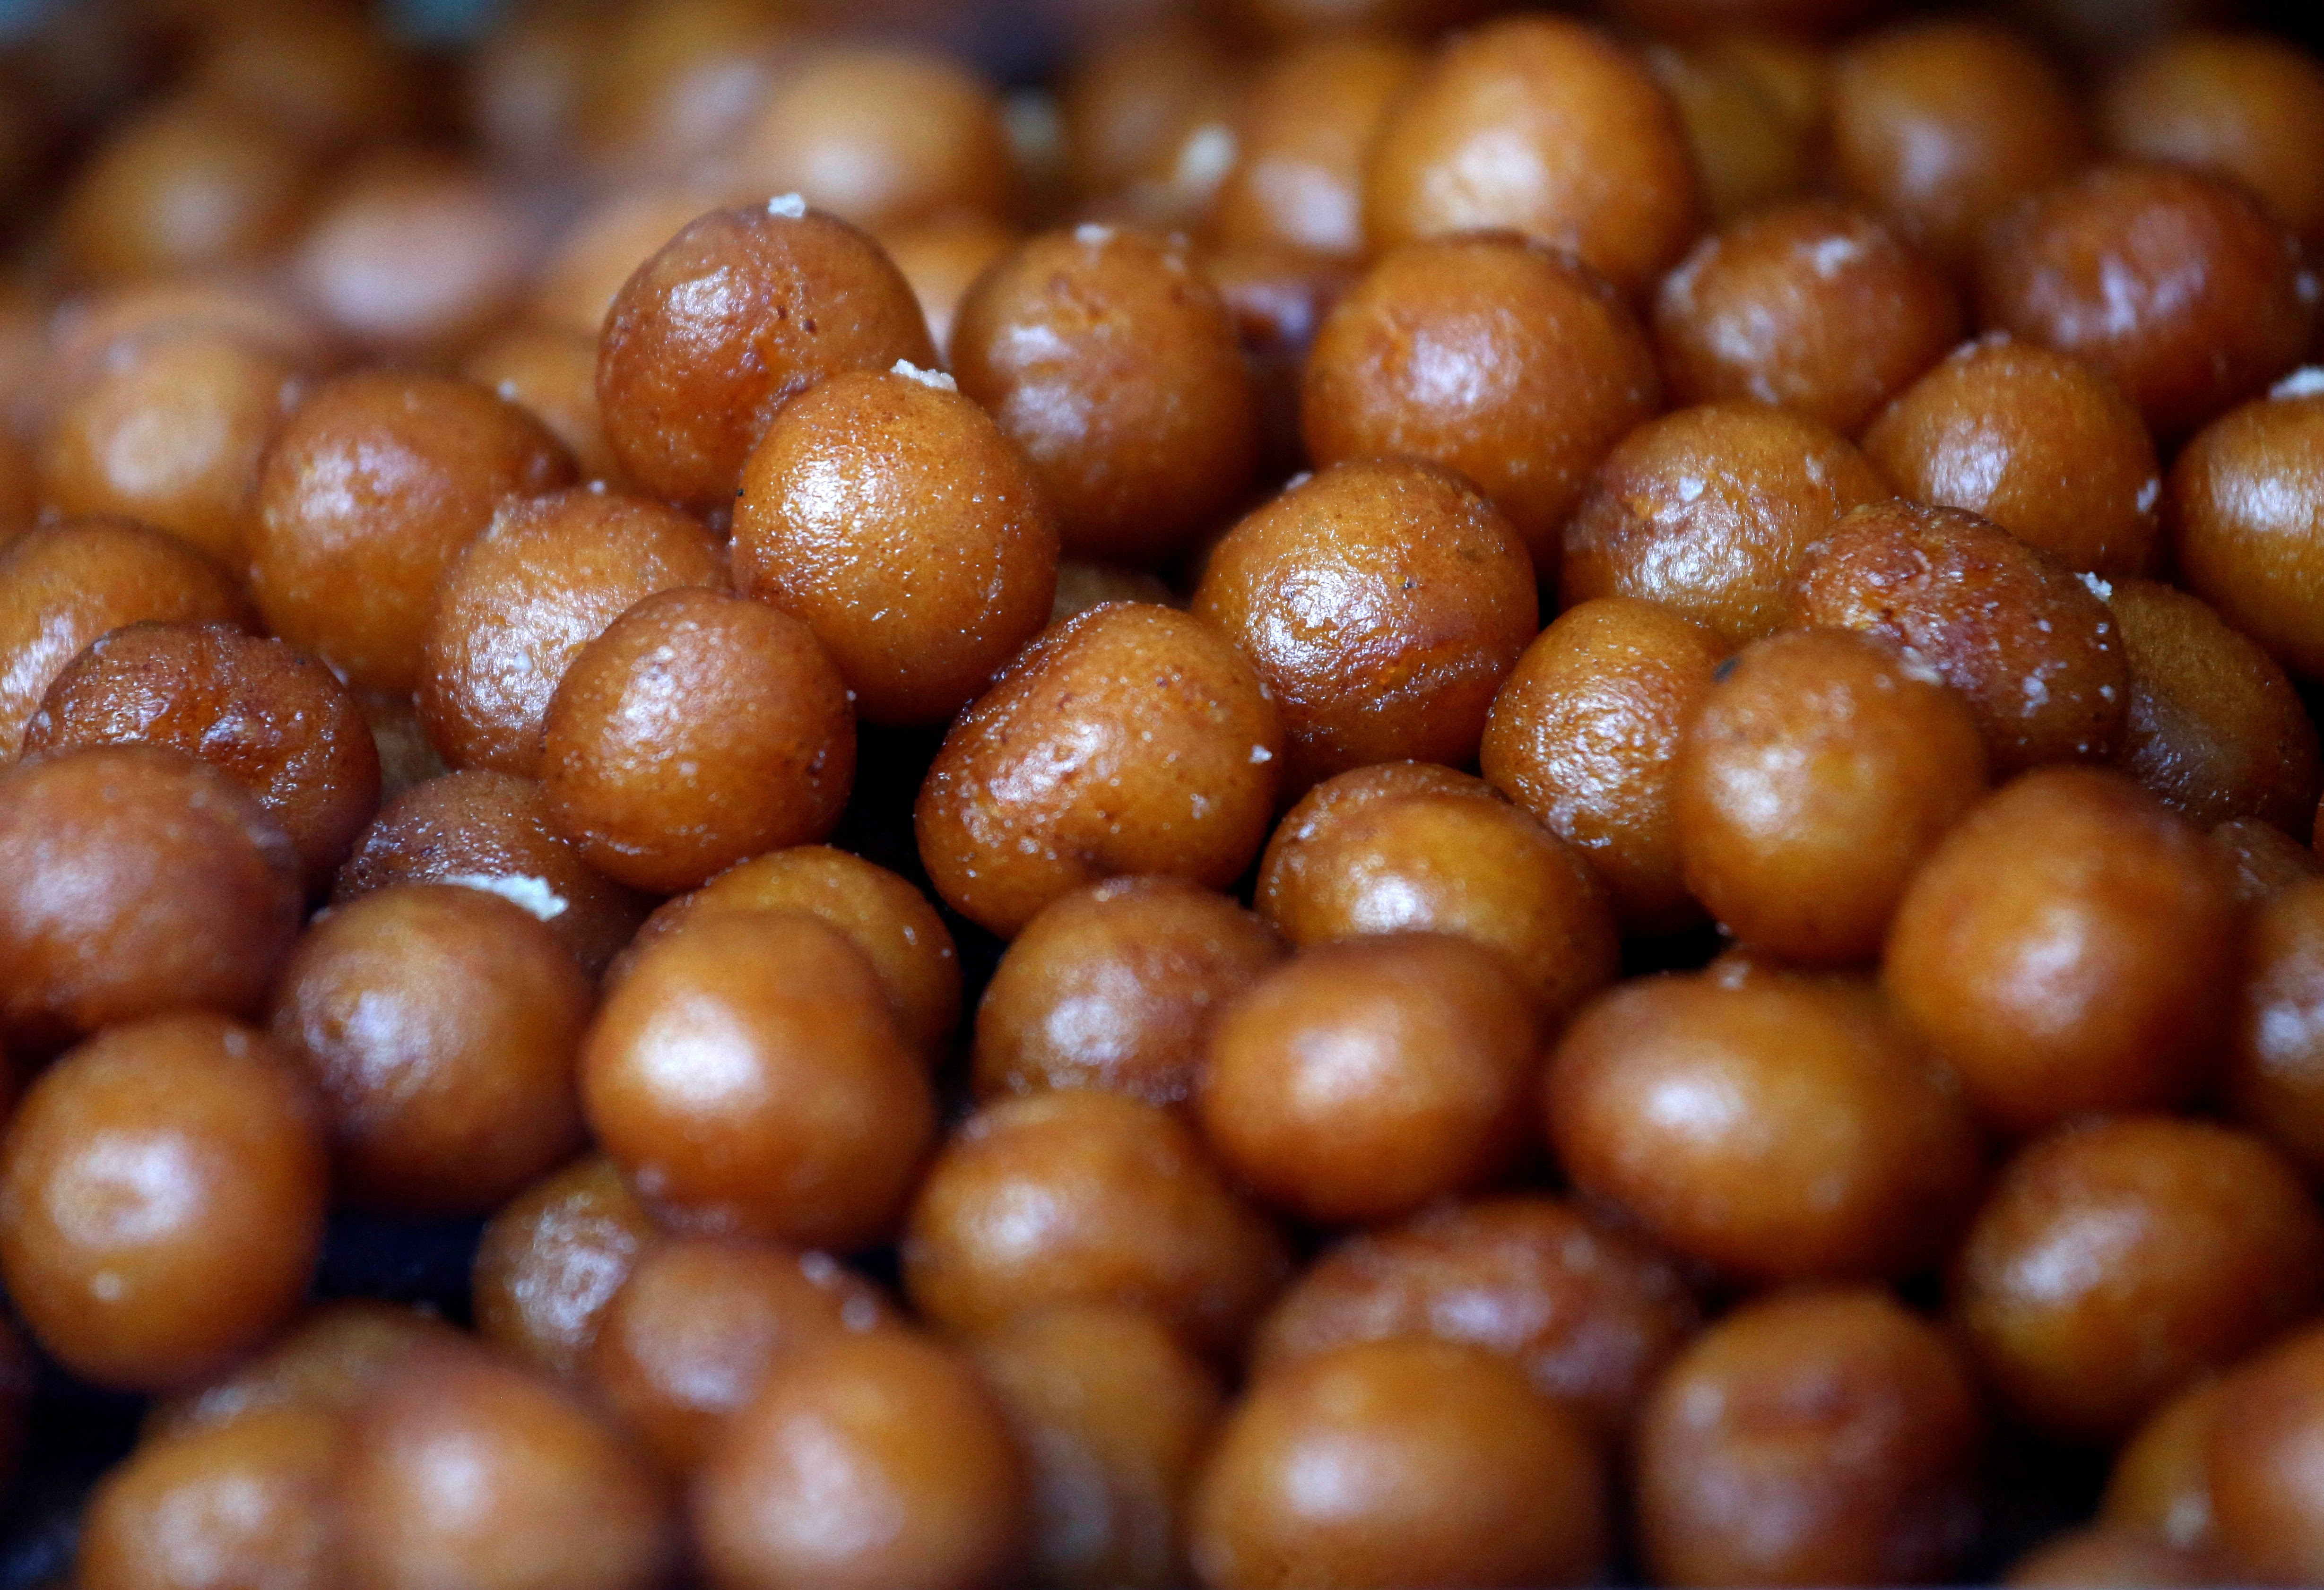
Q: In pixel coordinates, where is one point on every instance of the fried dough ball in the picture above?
(1778, 1127)
(697, 730)
(739, 313)
(1382, 602)
(162, 1199)
(1493, 355)
(1128, 740)
(1107, 357)
(1542, 125)
(551, 1260)
(2192, 1244)
(369, 496)
(252, 1501)
(1079, 1195)
(900, 524)
(1710, 511)
(1118, 985)
(2044, 445)
(277, 722)
(547, 576)
(2032, 648)
(2069, 948)
(2242, 508)
(134, 880)
(1823, 1437)
(1446, 1468)
(1813, 306)
(2242, 103)
(749, 1080)
(2173, 281)
(1307, 121)
(1358, 1081)
(1590, 1312)
(62, 586)
(1584, 735)
(1814, 779)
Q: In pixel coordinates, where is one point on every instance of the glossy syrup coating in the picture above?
(2071, 947)
(2261, 1464)
(739, 313)
(2173, 281)
(171, 437)
(440, 1025)
(2043, 443)
(1814, 778)
(881, 136)
(62, 586)
(133, 880)
(699, 729)
(701, 1323)
(866, 1462)
(2215, 728)
(1128, 100)
(463, 1469)
(2114, 1261)
(1107, 357)
(551, 1260)
(1823, 1437)
(901, 525)
(2161, 1483)
(250, 1502)
(872, 908)
(1837, 1149)
(1411, 847)
(1278, 297)
(1382, 602)
(2274, 1081)
(1543, 125)
(277, 722)
(1493, 355)
(1589, 1313)
(1446, 1467)
(1116, 986)
(1129, 740)
(2245, 104)
(367, 499)
(1358, 1081)
(2032, 647)
(2242, 509)
(204, 1151)
(1080, 1195)
(189, 185)
(330, 1362)
(550, 372)
(1583, 734)
(1709, 512)
(1940, 124)
(492, 830)
(1307, 120)
(749, 1078)
(414, 256)
(1112, 1415)
(1810, 304)
(545, 578)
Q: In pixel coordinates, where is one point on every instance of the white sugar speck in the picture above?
(1261, 754)
(1206, 159)
(790, 206)
(533, 894)
(2101, 589)
(1913, 664)
(2150, 493)
(2304, 383)
(926, 378)
(1090, 235)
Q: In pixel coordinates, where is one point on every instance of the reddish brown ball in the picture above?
(1382, 602)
